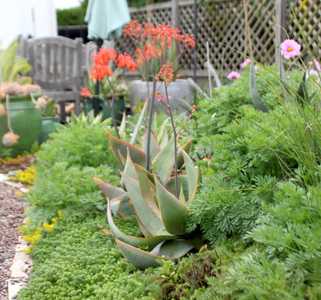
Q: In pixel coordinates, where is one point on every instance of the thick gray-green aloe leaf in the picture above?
(154, 146)
(109, 190)
(147, 188)
(174, 213)
(163, 163)
(146, 215)
(149, 242)
(118, 198)
(129, 169)
(258, 104)
(139, 258)
(182, 182)
(120, 148)
(139, 123)
(187, 148)
(193, 176)
(172, 249)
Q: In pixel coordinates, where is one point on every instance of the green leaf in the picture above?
(163, 163)
(193, 176)
(139, 258)
(173, 249)
(133, 240)
(147, 188)
(122, 127)
(187, 148)
(129, 169)
(146, 215)
(109, 190)
(120, 148)
(154, 146)
(182, 182)
(174, 213)
(258, 104)
(139, 123)
(117, 197)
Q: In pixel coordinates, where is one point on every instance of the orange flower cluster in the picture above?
(85, 92)
(104, 59)
(156, 43)
(166, 73)
(162, 34)
(125, 61)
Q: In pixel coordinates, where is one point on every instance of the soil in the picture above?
(11, 217)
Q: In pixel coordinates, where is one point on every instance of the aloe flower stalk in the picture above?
(149, 126)
(175, 138)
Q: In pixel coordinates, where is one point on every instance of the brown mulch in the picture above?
(18, 163)
(11, 217)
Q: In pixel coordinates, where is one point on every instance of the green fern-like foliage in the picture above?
(12, 67)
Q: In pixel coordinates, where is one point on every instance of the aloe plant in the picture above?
(150, 196)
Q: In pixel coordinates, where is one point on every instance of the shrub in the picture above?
(81, 143)
(62, 187)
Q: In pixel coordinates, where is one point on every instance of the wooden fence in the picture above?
(221, 23)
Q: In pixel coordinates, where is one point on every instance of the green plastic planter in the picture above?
(48, 126)
(25, 122)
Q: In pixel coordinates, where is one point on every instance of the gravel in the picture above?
(11, 217)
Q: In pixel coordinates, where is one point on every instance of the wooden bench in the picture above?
(57, 66)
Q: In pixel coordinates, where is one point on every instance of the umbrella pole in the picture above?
(96, 100)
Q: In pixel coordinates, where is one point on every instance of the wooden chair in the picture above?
(57, 67)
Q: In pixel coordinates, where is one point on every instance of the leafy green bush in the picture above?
(60, 188)
(81, 143)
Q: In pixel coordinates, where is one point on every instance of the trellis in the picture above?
(304, 24)
(221, 23)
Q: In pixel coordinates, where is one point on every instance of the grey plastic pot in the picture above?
(181, 94)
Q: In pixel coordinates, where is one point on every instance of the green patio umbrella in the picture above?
(105, 17)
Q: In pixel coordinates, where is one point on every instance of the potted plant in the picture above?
(49, 121)
(110, 88)
(20, 121)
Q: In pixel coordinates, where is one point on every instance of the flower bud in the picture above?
(10, 139)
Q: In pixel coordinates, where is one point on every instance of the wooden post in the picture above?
(175, 17)
(280, 28)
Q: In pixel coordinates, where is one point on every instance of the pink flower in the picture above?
(290, 49)
(245, 63)
(233, 75)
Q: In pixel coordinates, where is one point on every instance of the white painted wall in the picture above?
(27, 17)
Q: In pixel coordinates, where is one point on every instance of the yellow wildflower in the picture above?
(34, 237)
(48, 227)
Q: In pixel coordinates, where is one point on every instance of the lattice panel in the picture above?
(222, 24)
(305, 24)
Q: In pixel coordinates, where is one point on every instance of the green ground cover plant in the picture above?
(83, 144)
(258, 209)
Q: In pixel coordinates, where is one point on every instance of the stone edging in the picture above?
(22, 263)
